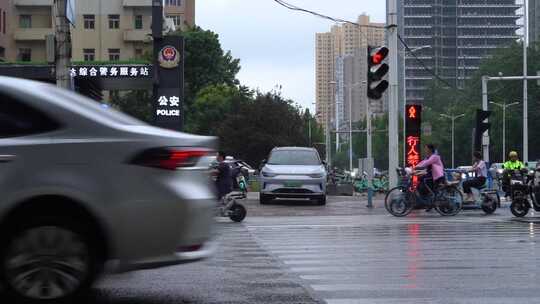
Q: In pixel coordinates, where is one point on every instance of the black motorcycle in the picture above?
(524, 191)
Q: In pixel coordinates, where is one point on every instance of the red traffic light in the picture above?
(378, 55)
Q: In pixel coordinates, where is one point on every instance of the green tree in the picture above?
(135, 103)
(206, 63)
(266, 122)
(212, 105)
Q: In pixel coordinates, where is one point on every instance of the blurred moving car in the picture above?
(87, 189)
(293, 172)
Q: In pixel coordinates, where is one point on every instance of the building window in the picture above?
(25, 54)
(114, 54)
(114, 21)
(4, 22)
(25, 21)
(138, 22)
(2, 53)
(138, 53)
(89, 22)
(173, 2)
(89, 54)
(177, 19)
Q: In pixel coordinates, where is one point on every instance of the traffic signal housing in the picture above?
(482, 126)
(376, 71)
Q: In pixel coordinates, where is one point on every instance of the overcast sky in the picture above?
(276, 46)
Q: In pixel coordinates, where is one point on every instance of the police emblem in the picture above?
(169, 57)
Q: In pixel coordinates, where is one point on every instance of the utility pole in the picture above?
(369, 153)
(525, 93)
(350, 130)
(337, 106)
(63, 45)
(504, 107)
(309, 131)
(453, 118)
(485, 136)
(328, 113)
(327, 137)
(393, 150)
(485, 80)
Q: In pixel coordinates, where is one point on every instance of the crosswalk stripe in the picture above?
(344, 261)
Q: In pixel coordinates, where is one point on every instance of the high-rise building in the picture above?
(534, 21)
(451, 37)
(341, 65)
(105, 30)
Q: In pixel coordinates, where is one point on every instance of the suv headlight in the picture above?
(268, 174)
(315, 175)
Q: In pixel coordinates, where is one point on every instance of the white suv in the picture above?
(293, 172)
(86, 189)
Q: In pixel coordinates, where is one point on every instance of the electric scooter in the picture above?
(228, 206)
(486, 199)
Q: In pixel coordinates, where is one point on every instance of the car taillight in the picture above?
(170, 158)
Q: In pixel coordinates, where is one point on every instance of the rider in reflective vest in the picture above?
(510, 167)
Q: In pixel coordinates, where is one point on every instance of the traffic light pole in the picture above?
(369, 153)
(485, 138)
(393, 130)
(525, 94)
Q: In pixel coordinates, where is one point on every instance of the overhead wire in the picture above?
(338, 20)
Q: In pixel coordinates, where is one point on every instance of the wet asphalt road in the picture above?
(345, 253)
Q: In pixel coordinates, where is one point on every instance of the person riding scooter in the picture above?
(510, 167)
(480, 170)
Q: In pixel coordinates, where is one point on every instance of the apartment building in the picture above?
(452, 37)
(105, 30)
(341, 71)
(5, 43)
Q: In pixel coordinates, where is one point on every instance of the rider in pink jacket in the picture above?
(434, 166)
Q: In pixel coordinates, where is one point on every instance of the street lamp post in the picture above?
(503, 107)
(350, 87)
(309, 130)
(350, 130)
(453, 118)
(328, 140)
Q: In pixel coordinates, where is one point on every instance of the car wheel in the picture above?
(47, 260)
(264, 199)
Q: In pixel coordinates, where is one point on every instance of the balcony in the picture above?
(137, 2)
(32, 34)
(33, 2)
(137, 35)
